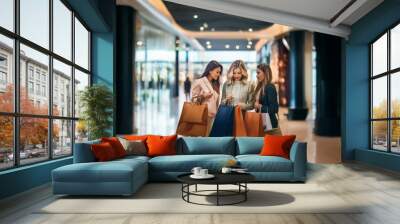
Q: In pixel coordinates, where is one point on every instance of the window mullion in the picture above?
(50, 81)
(73, 82)
(389, 106)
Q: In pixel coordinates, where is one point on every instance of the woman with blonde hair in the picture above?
(266, 100)
(237, 91)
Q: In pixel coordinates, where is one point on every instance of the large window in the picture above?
(44, 64)
(385, 91)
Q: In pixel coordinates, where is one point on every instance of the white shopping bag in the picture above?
(266, 122)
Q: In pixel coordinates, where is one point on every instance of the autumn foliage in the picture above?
(380, 127)
(33, 131)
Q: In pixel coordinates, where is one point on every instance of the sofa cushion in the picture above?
(275, 145)
(116, 145)
(249, 145)
(103, 152)
(206, 145)
(185, 163)
(257, 163)
(112, 171)
(134, 147)
(161, 145)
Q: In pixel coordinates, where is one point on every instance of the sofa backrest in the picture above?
(83, 152)
(249, 145)
(206, 145)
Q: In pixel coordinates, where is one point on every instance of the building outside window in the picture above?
(30, 87)
(385, 92)
(55, 129)
(30, 72)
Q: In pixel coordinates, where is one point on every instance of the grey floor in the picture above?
(379, 191)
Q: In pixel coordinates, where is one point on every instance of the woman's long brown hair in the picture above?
(267, 80)
(211, 66)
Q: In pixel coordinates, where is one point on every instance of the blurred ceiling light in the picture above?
(250, 30)
(139, 43)
(205, 25)
(209, 46)
(250, 42)
(208, 43)
(195, 16)
(201, 28)
(248, 46)
(213, 29)
(237, 47)
(227, 46)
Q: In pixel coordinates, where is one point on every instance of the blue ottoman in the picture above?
(119, 177)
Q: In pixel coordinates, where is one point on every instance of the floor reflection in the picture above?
(158, 112)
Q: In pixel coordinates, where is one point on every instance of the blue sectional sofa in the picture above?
(125, 176)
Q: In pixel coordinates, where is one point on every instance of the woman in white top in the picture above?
(237, 91)
(206, 90)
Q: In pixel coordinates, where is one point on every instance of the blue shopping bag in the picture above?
(223, 122)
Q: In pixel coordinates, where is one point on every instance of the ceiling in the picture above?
(215, 21)
(192, 19)
(333, 17)
(227, 44)
(318, 9)
(224, 20)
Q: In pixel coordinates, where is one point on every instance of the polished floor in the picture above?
(378, 192)
(158, 113)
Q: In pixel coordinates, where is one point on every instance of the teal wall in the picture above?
(99, 15)
(24, 178)
(355, 128)
(103, 51)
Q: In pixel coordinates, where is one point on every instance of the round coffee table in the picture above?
(238, 179)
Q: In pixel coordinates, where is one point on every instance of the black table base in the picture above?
(241, 191)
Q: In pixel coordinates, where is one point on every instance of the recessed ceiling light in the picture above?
(201, 28)
(227, 46)
(237, 47)
(139, 43)
(248, 46)
(250, 30)
(205, 25)
(250, 43)
(195, 16)
(208, 43)
(209, 46)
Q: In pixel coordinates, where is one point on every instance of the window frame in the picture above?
(388, 74)
(16, 114)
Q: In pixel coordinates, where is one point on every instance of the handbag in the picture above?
(268, 128)
(266, 120)
(193, 120)
(253, 123)
(239, 126)
(223, 122)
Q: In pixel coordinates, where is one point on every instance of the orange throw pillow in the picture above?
(116, 145)
(103, 152)
(161, 145)
(275, 145)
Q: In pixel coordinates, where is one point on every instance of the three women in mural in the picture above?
(237, 90)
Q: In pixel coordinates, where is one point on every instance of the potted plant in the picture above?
(96, 103)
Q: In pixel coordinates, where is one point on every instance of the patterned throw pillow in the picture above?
(134, 147)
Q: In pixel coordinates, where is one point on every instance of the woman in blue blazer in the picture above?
(266, 97)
